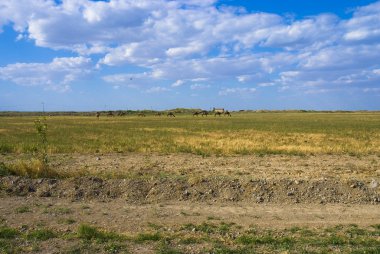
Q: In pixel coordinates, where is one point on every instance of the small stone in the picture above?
(374, 184)
(259, 199)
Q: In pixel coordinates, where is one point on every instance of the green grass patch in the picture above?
(8, 233)
(165, 248)
(143, 237)
(4, 170)
(41, 235)
(87, 232)
(23, 209)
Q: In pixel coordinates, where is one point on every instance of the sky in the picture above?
(83, 55)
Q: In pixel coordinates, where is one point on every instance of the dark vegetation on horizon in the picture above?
(175, 110)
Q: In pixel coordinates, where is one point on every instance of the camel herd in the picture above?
(216, 112)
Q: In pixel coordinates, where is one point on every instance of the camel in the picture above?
(110, 113)
(215, 110)
(97, 115)
(171, 114)
(204, 113)
(218, 113)
(158, 114)
(141, 114)
(227, 113)
(196, 113)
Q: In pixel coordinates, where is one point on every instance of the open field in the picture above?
(244, 133)
(61, 226)
(252, 183)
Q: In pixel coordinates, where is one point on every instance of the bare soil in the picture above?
(128, 193)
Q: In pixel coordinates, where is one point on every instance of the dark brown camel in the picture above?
(227, 113)
(204, 113)
(197, 113)
(218, 113)
(171, 114)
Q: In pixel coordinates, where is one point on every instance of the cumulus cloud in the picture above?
(57, 75)
(184, 41)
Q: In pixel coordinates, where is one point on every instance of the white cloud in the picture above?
(266, 84)
(178, 83)
(157, 89)
(193, 41)
(370, 90)
(240, 91)
(199, 86)
(57, 75)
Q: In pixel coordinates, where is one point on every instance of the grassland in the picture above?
(244, 133)
(203, 238)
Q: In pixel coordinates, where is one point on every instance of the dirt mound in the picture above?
(211, 189)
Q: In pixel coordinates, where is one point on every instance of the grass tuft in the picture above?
(87, 232)
(143, 237)
(40, 235)
(23, 209)
(33, 168)
(8, 233)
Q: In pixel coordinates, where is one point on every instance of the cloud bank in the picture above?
(179, 41)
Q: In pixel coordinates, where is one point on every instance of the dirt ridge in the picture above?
(208, 189)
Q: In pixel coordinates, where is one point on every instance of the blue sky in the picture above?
(126, 54)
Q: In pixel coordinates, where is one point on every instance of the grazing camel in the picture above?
(218, 113)
(227, 113)
(196, 113)
(171, 114)
(221, 110)
(204, 113)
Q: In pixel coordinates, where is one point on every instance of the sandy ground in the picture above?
(121, 217)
